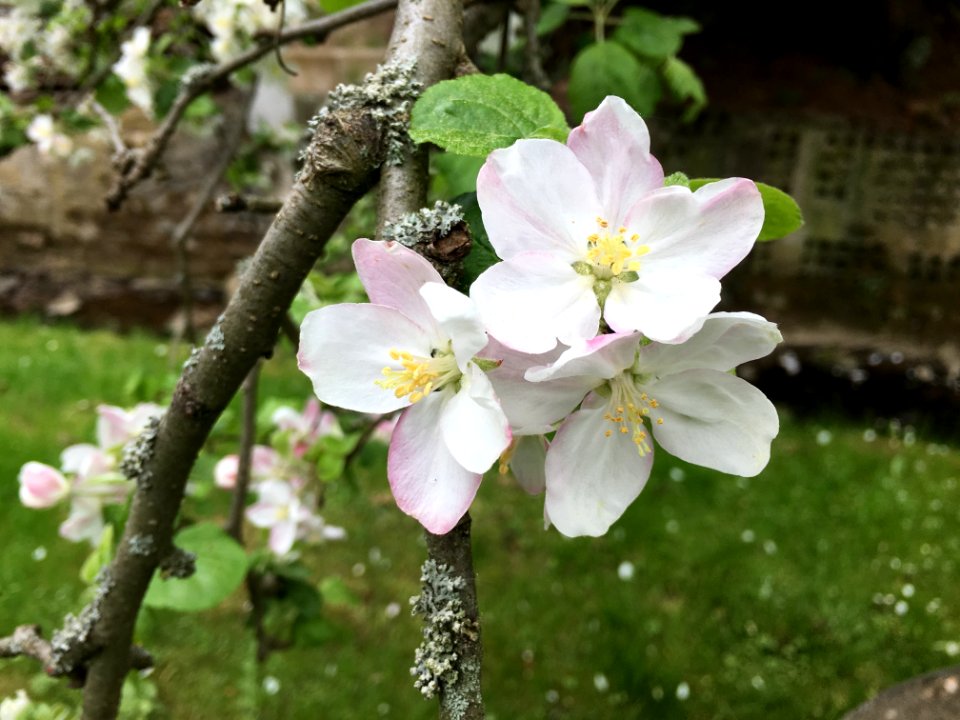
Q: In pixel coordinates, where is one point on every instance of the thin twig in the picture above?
(235, 202)
(120, 148)
(235, 127)
(148, 156)
(248, 437)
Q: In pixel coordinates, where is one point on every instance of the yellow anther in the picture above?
(659, 421)
(607, 433)
(419, 376)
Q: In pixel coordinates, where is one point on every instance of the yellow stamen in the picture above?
(418, 376)
(612, 253)
(628, 408)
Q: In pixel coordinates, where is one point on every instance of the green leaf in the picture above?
(685, 85)
(221, 567)
(652, 35)
(677, 178)
(781, 217)
(455, 174)
(332, 6)
(482, 255)
(99, 558)
(112, 94)
(551, 18)
(476, 114)
(609, 69)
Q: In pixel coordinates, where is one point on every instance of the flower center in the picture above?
(419, 376)
(613, 253)
(626, 410)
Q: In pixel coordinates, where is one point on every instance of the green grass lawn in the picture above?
(795, 594)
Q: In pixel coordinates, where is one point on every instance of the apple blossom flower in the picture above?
(383, 432)
(587, 230)
(132, 69)
(49, 142)
(17, 76)
(42, 486)
(412, 348)
(280, 509)
(683, 394)
(15, 708)
(304, 429)
(117, 426)
(265, 464)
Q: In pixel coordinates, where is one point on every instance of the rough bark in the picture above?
(343, 169)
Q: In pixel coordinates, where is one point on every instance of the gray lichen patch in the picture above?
(215, 339)
(445, 626)
(142, 545)
(179, 564)
(425, 225)
(137, 454)
(70, 645)
(387, 95)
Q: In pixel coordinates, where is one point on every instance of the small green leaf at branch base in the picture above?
(782, 215)
(652, 35)
(221, 567)
(677, 178)
(685, 86)
(477, 114)
(609, 69)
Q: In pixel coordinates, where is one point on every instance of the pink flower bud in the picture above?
(42, 486)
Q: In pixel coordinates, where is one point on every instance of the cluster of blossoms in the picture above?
(234, 23)
(89, 476)
(131, 68)
(282, 477)
(593, 337)
(37, 43)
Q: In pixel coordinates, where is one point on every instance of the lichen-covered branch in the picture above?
(341, 166)
(448, 661)
(429, 35)
(203, 79)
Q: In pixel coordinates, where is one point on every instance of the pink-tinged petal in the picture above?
(537, 196)
(41, 486)
(527, 303)
(85, 521)
(708, 231)
(86, 461)
(282, 537)
(725, 341)
(427, 482)
(112, 426)
(286, 418)
(667, 307)
(311, 412)
(591, 478)
(472, 423)
(592, 361)
(716, 420)
(344, 348)
(392, 276)
(140, 415)
(527, 462)
(532, 407)
(459, 319)
(263, 514)
(264, 462)
(110, 489)
(613, 143)
(383, 432)
(225, 472)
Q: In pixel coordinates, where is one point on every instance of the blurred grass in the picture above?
(796, 594)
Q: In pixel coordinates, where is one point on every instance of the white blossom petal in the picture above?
(527, 303)
(344, 348)
(459, 320)
(537, 196)
(427, 481)
(725, 341)
(527, 462)
(716, 420)
(591, 478)
(668, 306)
(392, 275)
(472, 423)
(597, 359)
(613, 143)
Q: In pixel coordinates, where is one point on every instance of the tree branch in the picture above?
(235, 202)
(430, 33)
(340, 168)
(147, 157)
